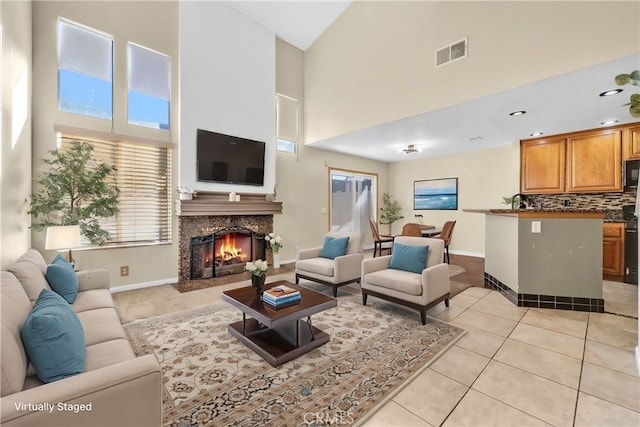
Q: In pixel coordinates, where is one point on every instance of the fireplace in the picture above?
(216, 247)
(225, 252)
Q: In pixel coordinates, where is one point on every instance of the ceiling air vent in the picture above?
(452, 52)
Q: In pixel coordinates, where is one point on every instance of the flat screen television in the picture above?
(229, 159)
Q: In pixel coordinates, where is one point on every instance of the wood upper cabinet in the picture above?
(631, 142)
(613, 248)
(594, 161)
(542, 166)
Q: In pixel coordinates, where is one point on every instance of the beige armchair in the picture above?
(335, 272)
(420, 291)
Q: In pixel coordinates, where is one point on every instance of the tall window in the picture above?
(149, 84)
(144, 179)
(353, 200)
(287, 124)
(85, 70)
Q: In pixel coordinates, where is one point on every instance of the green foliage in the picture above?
(632, 79)
(390, 210)
(75, 190)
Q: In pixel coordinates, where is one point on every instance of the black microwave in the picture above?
(631, 169)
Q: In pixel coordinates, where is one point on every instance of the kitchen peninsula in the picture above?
(546, 259)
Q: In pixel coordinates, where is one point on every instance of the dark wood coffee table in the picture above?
(278, 334)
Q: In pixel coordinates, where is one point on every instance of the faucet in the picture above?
(522, 199)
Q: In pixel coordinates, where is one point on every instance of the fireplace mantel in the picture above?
(212, 204)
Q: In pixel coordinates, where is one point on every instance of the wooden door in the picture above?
(613, 249)
(542, 166)
(631, 142)
(594, 162)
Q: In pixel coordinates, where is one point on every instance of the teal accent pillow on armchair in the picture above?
(62, 279)
(334, 247)
(409, 258)
(53, 338)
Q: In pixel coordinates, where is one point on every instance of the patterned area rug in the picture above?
(210, 378)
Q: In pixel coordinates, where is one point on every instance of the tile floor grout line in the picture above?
(584, 351)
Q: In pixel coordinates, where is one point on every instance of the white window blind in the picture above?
(143, 177)
(148, 72)
(84, 50)
(287, 118)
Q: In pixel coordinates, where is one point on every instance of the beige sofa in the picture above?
(116, 389)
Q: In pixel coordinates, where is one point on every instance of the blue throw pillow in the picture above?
(409, 258)
(53, 338)
(334, 247)
(62, 279)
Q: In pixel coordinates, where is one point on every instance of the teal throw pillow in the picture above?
(334, 247)
(62, 279)
(53, 338)
(409, 258)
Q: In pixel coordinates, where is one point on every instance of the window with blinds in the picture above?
(85, 70)
(149, 84)
(143, 176)
(287, 124)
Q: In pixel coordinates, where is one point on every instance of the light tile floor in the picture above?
(526, 367)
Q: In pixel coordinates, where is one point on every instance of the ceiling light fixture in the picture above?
(518, 113)
(410, 149)
(609, 122)
(611, 92)
(536, 134)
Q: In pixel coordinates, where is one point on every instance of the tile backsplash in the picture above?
(611, 202)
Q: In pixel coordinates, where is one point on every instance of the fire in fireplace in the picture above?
(225, 252)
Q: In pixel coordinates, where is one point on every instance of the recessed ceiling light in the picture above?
(611, 92)
(609, 122)
(518, 113)
(536, 134)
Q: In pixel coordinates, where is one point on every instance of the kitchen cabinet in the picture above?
(613, 248)
(594, 162)
(631, 142)
(542, 166)
(580, 162)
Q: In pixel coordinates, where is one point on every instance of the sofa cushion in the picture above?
(62, 279)
(14, 309)
(409, 258)
(92, 300)
(30, 269)
(398, 280)
(108, 353)
(334, 247)
(53, 338)
(322, 266)
(101, 325)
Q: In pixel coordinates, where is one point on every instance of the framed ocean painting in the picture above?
(435, 194)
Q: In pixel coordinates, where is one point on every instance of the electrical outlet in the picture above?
(124, 270)
(536, 227)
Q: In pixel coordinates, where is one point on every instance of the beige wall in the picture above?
(303, 178)
(15, 154)
(484, 177)
(151, 24)
(375, 64)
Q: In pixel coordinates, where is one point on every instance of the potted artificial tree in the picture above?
(75, 190)
(390, 211)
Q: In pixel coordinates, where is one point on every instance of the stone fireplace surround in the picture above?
(198, 226)
(210, 212)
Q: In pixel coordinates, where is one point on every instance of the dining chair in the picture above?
(445, 235)
(412, 229)
(379, 241)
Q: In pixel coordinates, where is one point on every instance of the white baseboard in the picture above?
(143, 285)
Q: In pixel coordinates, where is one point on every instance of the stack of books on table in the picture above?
(279, 296)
